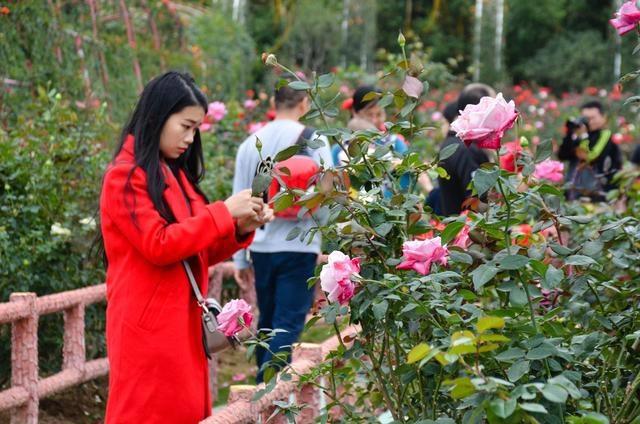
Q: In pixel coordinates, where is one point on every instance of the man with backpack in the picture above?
(281, 267)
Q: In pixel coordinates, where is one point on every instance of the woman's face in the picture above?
(374, 114)
(179, 130)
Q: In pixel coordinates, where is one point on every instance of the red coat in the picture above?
(158, 368)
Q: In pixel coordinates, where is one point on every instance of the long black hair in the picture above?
(163, 96)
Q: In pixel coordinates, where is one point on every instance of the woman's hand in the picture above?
(250, 224)
(243, 206)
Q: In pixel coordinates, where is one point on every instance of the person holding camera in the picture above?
(593, 157)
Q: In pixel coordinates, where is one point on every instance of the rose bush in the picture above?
(530, 317)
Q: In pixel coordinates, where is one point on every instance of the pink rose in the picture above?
(229, 319)
(627, 18)
(250, 104)
(335, 277)
(462, 240)
(486, 122)
(550, 170)
(217, 111)
(420, 254)
(205, 127)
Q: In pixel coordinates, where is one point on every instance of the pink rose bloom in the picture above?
(552, 105)
(617, 138)
(205, 127)
(627, 18)
(550, 170)
(436, 116)
(217, 111)
(255, 126)
(250, 104)
(420, 254)
(232, 312)
(486, 122)
(462, 240)
(335, 277)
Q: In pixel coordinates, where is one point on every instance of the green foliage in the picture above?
(51, 164)
(585, 59)
(510, 331)
(227, 50)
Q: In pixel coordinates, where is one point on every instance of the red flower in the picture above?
(347, 104)
(4, 10)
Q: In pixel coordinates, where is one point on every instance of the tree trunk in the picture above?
(617, 59)
(155, 35)
(498, 41)
(477, 42)
(132, 42)
(93, 8)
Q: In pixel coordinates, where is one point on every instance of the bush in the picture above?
(51, 164)
(571, 62)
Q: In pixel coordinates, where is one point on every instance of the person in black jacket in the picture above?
(461, 165)
(593, 157)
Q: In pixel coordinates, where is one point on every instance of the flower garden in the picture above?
(522, 309)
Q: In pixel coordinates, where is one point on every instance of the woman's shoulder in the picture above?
(120, 170)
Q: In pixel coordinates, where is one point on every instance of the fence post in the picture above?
(73, 352)
(241, 394)
(308, 395)
(24, 359)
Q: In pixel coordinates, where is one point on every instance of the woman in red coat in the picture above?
(153, 216)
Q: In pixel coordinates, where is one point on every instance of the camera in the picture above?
(576, 122)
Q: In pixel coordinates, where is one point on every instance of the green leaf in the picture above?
(482, 275)
(459, 257)
(554, 393)
(512, 262)
(299, 85)
(418, 352)
(503, 408)
(543, 351)
(295, 232)
(484, 180)
(488, 322)
(510, 354)
(260, 184)
(380, 309)
(580, 260)
(451, 231)
(553, 277)
(326, 80)
(533, 407)
(384, 228)
(517, 370)
(283, 202)
(543, 151)
(447, 151)
(287, 153)
(385, 101)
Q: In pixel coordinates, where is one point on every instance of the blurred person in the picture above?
(593, 157)
(366, 114)
(279, 267)
(464, 161)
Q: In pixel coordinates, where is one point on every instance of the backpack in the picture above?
(302, 175)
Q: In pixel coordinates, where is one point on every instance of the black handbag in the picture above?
(214, 340)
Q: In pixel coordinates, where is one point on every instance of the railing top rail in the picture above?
(60, 301)
(13, 311)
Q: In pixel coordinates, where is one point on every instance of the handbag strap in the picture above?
(194, 285)
(202, 302)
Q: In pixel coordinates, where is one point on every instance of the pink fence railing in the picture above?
(241, 409)
(27, 388)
